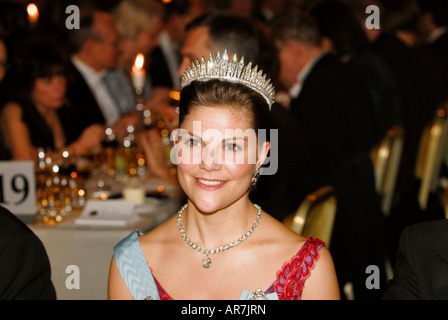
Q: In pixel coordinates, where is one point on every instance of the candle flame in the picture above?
(32, 10)
(175, 95)
(139, 61)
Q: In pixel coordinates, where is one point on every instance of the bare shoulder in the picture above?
(162, 235)
(322, 283)
(276, 230)
(280, 239)
(11, 110)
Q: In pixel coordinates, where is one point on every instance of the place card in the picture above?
(118, 213)
(18, 187)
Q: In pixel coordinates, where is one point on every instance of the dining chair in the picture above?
(432, 152)
(386, 158)
(445, 202)
(315, 215)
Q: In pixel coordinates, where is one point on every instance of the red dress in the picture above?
(290, 278)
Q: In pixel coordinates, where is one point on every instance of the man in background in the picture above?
(95, 50)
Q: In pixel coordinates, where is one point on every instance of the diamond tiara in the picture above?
(233, 71)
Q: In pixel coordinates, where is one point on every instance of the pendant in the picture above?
(258, 295)
(206, 263)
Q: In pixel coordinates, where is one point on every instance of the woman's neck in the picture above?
(212, 230)
(51, 119)
(44, 111)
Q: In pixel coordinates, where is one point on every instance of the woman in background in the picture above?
(36, 114)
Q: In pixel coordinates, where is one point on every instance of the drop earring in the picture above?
(255, 177)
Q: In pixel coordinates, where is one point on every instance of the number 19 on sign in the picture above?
(17, 186)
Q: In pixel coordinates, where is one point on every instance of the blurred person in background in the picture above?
(37, 113)
(343, 36)
(93, 49)
(324, 93)
(421, 269)
(433, 30)
(138, 24)
(164, 60)
(26, 270)
(396, 42)
(332, 104)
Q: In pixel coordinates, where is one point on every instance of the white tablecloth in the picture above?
(90, 250)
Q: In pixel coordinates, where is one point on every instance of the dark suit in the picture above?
(25, 268)
(382, 87)
(281, 194)
(159, 72)
(440, 47)
(86, 109)
(338, 120)
(421, 269)
(358, 238)
(420, 95)
(437, 55)
(336, 115)
(418, 92)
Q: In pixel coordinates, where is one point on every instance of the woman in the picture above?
(219, 162)
(36, 114)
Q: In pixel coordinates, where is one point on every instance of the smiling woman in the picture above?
(218, 162)
(220, 245)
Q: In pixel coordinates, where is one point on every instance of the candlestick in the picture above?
(138, 73)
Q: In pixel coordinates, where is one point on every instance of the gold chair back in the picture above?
(432, 152)
(315, 215)
(445, 202)
(386, 158)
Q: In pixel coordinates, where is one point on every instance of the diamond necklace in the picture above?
(207, 263)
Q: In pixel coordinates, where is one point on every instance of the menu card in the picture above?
(108, 213)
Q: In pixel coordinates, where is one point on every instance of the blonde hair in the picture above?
(134, 16)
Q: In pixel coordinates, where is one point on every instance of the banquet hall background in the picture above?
(384, 84)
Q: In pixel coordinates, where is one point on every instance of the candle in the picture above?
(134, 194)
(138, 73)
(175, 95)
(33, 13)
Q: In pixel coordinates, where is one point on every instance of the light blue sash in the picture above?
(137, 275)
(134, 269)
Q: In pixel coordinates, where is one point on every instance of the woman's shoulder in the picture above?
(305, 259)
(11, 109)
(281, 234)
(277, 238)
(163, 234)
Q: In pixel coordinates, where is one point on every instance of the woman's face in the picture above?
(217, 154)
(49, 92)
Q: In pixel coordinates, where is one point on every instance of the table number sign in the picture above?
(18, 187)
